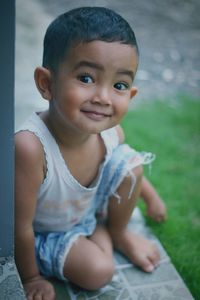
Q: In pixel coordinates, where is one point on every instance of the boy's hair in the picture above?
(83, 25)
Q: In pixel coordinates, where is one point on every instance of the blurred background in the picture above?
(168, 34)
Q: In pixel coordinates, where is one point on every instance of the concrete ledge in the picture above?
(10, 284)
(129, 282)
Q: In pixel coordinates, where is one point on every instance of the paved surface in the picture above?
(168, 34)
(10, 285)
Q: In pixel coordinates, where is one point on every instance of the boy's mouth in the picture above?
(96, 115)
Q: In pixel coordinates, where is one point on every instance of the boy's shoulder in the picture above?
(120, 134)
(28, 148)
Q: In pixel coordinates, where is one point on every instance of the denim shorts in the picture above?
(52, 248)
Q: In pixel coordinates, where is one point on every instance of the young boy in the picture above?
(71, 163)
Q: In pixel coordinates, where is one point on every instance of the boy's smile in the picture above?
(91, 90)
(95, 114)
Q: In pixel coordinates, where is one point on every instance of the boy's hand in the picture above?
(156, 210)
(38, 288)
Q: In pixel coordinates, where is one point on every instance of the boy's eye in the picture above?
(86, 78)
(121, 86)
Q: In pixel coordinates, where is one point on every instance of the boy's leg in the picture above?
(89, 263)
(139, 250)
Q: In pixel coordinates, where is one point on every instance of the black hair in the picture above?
(83, 25)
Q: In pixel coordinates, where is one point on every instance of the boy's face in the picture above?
(93, 86)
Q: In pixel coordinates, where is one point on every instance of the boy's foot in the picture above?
(140, 251)
(39, 288)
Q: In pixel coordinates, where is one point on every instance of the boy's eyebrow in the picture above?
(126, 72)
(85, 63)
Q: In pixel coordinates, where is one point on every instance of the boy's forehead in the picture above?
(103, 53)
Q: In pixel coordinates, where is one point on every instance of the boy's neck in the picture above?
(64, 136)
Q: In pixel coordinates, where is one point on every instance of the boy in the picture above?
(71, 163)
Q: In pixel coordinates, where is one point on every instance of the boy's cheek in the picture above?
(76, 95)
(124, 108)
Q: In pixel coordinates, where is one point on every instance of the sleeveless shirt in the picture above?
(62, 201)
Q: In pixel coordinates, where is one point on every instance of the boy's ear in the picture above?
(134, 91)
(43, 81)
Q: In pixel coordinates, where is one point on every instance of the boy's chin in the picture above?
(99, 130)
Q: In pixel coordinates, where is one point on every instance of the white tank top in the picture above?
(62, 200)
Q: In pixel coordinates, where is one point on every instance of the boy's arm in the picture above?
(156, 208)
(29, 162)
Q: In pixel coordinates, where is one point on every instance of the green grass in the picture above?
(172, 132)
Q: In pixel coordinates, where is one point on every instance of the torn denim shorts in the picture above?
(52, 248)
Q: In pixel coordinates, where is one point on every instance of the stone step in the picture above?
(129, 282)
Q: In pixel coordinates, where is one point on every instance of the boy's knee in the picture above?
(99, 274)
(138, 172)
(134, 175)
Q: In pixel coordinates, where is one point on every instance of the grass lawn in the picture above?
(172, 132)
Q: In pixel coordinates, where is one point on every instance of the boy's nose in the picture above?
(102, 96)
